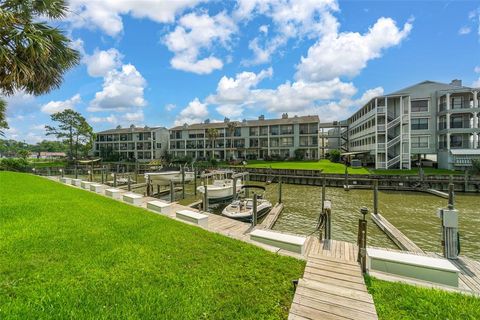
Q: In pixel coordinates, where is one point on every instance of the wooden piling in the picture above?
(254, 212)
(324, 185)
(375, 196)
(279, 189)
(451, 196)
(183, 182)
(172, 192)
(114, 179)
(129, 183)
(195, 181)
(205, 195)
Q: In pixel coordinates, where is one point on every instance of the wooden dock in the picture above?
(332, 286)
(269, 221)
(437, 193)
(401, 240)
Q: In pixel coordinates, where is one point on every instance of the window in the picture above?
(159, 145)
(254, 131)
(420, 124)
(286, 142)
(286, 129)
(419, 106)
(274, 130)
(420, 142)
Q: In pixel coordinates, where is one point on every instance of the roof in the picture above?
(445, 86)
(251, 123)
(129, 130)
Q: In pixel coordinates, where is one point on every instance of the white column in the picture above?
(475, 140)
(475, 120)
(475, 99)
(448, 141)
(448, 121)
(448, 101)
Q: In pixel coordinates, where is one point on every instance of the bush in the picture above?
(213, 162)
(475, 166)
(299, 154)
(334, 156)
(13, 164)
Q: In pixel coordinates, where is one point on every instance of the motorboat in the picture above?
(163, 178)
(221, 187)
(242, 208)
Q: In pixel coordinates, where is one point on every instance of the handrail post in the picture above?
(362, 240)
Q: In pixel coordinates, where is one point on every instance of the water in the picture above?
(412, 213)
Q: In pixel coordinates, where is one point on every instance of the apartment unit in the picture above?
(134, 143)
(426, 120)
(248, 139)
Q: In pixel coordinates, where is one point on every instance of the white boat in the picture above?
(164, 178)
(221, 189)
(242, 209)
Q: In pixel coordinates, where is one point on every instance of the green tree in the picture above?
(33, 55)
(74, 130)
(231, 126)
(212, 134)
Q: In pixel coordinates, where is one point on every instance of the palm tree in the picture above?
(33, 55)
(231, 126)
(212, 134)
(3, 121)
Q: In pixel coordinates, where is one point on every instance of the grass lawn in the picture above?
(42, 163)
(68, 253)
(401, 301)
(325, 165)
(427, 171)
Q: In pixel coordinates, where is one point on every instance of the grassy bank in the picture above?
(401, 301)
(325, 165)
(68, 253)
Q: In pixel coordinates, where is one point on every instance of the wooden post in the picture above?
(375, 196)
(76, 171)
(136, 172)
(172, 192)
(183, 182)
(129, 183)
(451, 196)
(91, 172)
(465, 181)
(324, 184)
(49, 172)
(254, 212)
(114, 179)
(149, 189)
(205, 195)
(234, 191)
(62, 172)
(346, 178)
(195, 181)
(158, 190)
(102, 172)
(279, 189)
(362, 240)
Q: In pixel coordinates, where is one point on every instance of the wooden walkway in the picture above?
(269, 221)
(332, 286)
(401, 240)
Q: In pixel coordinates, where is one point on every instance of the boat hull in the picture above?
(164, 178)
(247, 216)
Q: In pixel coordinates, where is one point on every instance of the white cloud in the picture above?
(20, 103)
(464, 30)
(169, 107)
(347, 53)
(113, 119)
(195, 112)
(477, 69)
(106, 15)
(122, 91)
(125, 119)
(195, 33)
(102, 61)
(59, 106)
(291, 19)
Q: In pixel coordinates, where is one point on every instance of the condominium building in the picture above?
(429, 119)
(133, 143)
(247, 139)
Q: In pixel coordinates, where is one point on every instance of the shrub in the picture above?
(13, 164)
(299, 154)
(334, 156)
(475, 166)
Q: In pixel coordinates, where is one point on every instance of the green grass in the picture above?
(68, 253)
(427, 171)
(42, 163)
(402, 301)
(325, 165)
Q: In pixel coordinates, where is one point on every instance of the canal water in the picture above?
(413, 213)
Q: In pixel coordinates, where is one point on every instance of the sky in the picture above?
(170, 62)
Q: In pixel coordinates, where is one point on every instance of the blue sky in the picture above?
(164, 63)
